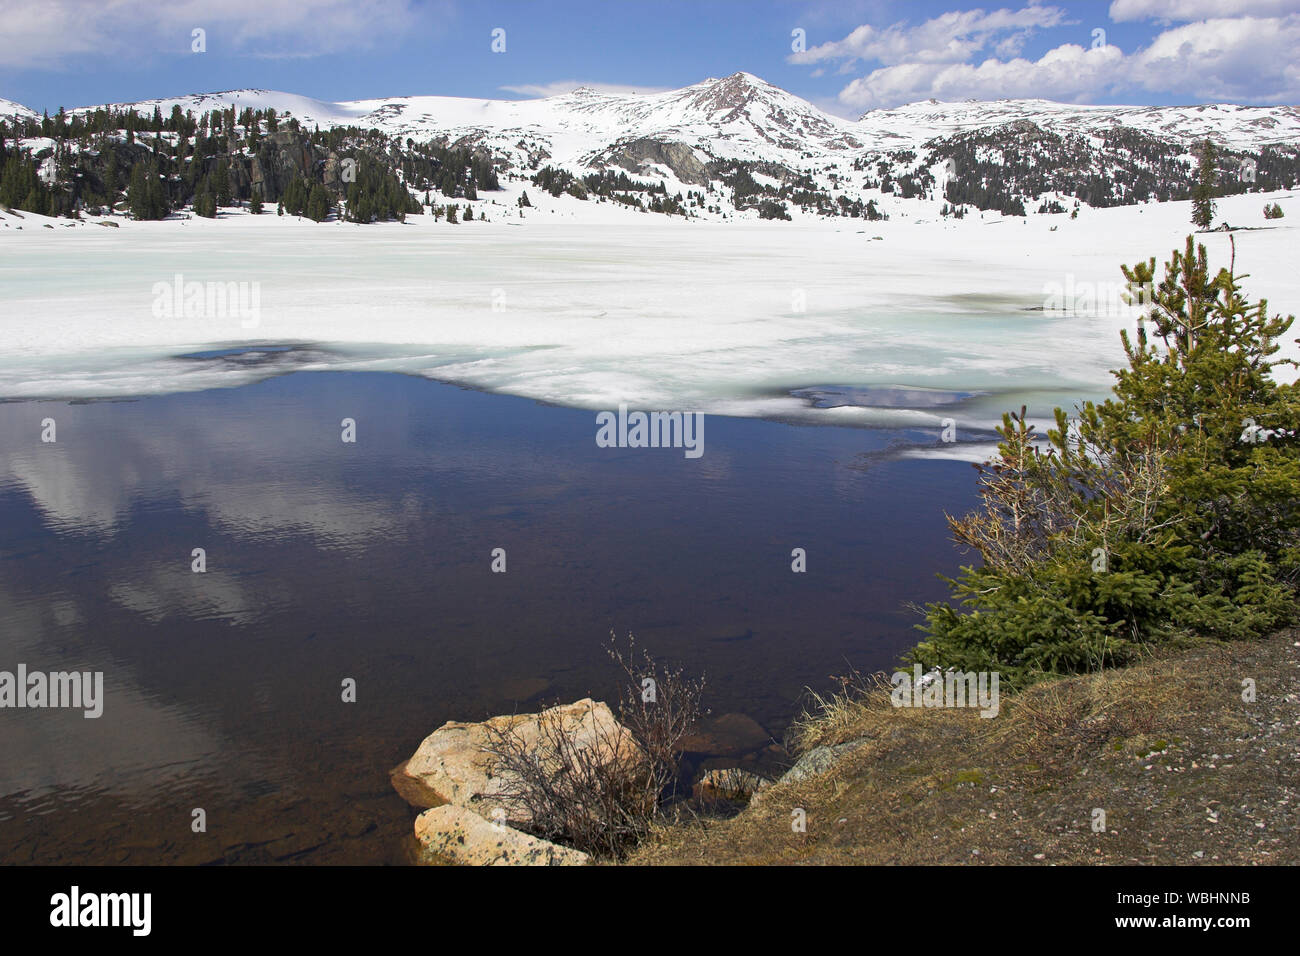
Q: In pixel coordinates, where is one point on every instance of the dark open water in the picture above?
(372, 561)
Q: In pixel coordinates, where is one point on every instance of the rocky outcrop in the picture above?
(454, 764)
(458, 835)
(815, 762)
(634, 154)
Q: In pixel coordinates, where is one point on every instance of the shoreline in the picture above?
(1082, 770)
(974, 444)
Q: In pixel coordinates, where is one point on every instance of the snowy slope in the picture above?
(740, 116)
(8, 109)
(1239, 127)
(724, 134)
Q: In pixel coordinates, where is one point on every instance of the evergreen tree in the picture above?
(1166, 513)
(111, 175)
(221, 183)
(21, 186)
(138, 192)
(205, 203)
(255, 203)
(318, 203)
(1203, 191)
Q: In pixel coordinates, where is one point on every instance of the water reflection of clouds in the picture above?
(89, 481)
(137, 746)
(256, 465)
(162, 591)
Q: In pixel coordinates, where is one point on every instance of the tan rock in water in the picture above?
(731, 783)
(453, 765)
(462, 836)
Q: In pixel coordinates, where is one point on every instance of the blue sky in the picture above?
(856, 54)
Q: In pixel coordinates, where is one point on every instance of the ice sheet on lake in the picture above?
(720, 318)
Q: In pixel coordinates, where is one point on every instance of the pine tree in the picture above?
(222, 183)
(205, 203)
(138, 194)
(318, 204)
(155, 193)
(255, 203)
(1183, 482)
(1203, 191)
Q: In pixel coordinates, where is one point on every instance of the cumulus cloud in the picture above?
(556, 87)
(1224, 58)
(949, 38)
(1182, 11)
(54, 32)
(1069, 73)
(1241, 58)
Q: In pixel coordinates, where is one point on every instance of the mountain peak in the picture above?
(732, 92)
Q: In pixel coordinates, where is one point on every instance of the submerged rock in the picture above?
(728, 734)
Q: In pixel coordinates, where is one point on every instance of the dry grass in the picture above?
(1146, 744)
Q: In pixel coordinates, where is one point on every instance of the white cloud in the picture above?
(53, 33)
(1068, 73)
(556, 87)
(1225, 59)
(1242, 58)
(949, 38)
(1012, 45)
(1182, 11)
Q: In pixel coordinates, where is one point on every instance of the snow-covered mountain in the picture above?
(737, 117)
(9, 109)
(1237, 127)
(752, 145)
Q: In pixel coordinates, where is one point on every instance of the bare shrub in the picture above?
(1036, 501)
(602, 790)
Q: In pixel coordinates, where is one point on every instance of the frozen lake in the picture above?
(720, 318)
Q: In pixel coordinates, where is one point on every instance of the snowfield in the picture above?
(590, 306)
(741, 116)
